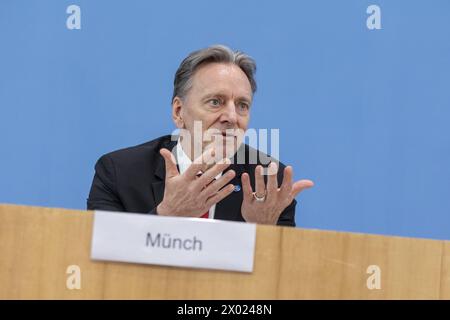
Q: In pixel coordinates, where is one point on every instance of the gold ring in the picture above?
(258, 198)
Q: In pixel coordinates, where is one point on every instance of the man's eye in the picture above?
(244, 106)
(214, 102)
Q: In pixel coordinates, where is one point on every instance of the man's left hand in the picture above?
(266, 204)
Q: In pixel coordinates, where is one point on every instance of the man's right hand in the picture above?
(189, 195)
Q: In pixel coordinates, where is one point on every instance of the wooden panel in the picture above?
(445, 276)
(333, 265)
(143, 281)
(38, 244)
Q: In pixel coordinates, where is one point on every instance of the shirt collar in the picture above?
(183, 160)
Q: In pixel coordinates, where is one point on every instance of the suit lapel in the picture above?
(158, 191)
(160, 173)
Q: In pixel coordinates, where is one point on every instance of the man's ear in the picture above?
(177, 105)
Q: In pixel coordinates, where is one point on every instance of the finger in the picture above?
(286, 185)
(301, 185)
(272, 179)
(260, 186)
(207, 155)
(215, 186)
(210, 174)
(199, 164)
(220, 195)
(246, 187)
(171, 166)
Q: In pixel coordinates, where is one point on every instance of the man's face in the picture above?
(219, 98)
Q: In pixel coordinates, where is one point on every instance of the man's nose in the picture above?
(229, 113)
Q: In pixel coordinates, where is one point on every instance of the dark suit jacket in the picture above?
(132, 180)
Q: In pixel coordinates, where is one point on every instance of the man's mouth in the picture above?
(226, 136)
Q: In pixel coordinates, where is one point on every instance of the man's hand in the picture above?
(272, 200)
(189, 195)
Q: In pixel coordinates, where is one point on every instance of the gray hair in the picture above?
(217, 53)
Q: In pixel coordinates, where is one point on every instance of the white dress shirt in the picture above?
(183, 164)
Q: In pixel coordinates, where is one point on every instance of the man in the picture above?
(194, 175)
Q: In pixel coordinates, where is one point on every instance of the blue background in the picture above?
(363, 113)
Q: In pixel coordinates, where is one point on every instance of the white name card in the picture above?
(173, 241)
